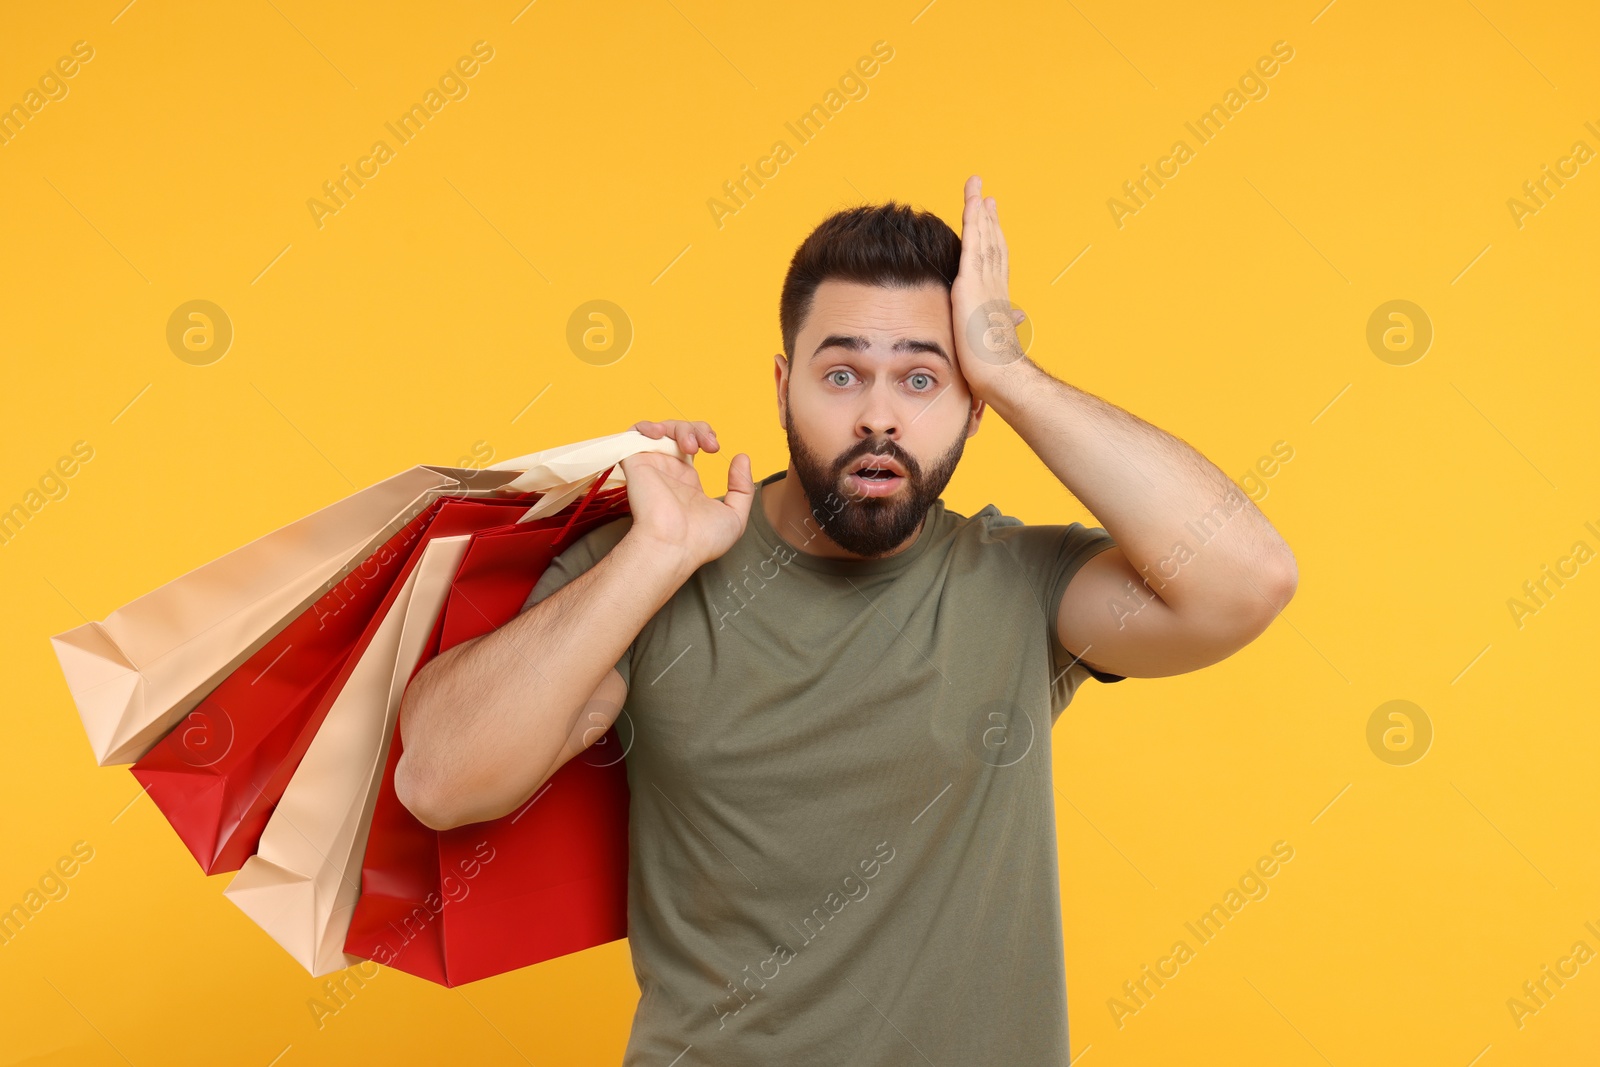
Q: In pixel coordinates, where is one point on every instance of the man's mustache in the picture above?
(888, 450)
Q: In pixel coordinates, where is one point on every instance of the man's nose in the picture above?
(879, 419)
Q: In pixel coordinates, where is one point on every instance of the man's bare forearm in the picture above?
(484, 723)
(1150, 491)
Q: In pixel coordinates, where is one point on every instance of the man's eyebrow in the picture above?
(857, 343)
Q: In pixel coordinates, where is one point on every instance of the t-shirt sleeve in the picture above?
(1050, 555)
(578, 557)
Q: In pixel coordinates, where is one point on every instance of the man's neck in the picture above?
(789, 512)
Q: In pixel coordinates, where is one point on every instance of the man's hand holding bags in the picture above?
(671, 510)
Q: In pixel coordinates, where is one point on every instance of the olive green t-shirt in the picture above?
(842, 841)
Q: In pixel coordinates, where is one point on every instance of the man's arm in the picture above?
(1160, 601)
(486, 723)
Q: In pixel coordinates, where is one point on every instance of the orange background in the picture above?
(427, 321)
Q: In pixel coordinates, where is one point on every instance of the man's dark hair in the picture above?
(888, 244)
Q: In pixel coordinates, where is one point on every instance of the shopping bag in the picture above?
(134, 675)
(218, 773)
(543, 881)
(301, 884)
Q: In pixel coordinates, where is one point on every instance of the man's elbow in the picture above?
(441, 808)
(419, 784)
(415, 794)
(1268, 596)
(1285, 581)
(432, 801)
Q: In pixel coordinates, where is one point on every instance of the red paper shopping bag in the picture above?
(543, 881)
(219, 773)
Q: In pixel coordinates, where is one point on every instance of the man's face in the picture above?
(874, 378)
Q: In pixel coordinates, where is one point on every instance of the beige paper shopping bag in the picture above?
(138, 672)
(302, 884)
(135, 674)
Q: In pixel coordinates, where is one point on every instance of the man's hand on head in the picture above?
(983, 320)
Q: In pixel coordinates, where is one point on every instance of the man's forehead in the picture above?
(882, 314)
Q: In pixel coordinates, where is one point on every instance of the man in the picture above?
(839, 692)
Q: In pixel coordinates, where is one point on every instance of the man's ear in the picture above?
(976, 416)
(780, 369)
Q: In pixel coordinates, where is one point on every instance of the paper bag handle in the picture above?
(588, 498)
(562, 473)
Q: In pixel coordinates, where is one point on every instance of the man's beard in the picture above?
(870, 525)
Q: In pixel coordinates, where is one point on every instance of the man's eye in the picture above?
(927, 377)
(835, 374)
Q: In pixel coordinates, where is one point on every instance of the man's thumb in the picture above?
(741, 487)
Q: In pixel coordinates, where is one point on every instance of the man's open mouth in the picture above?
(875, 476)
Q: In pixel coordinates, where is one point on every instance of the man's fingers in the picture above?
(683, 433)
(970, 225)
(988, 226)
(972, 214)
(690, 436)
(999, 238)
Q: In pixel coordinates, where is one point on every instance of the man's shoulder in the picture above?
(992, 532)
(980, 522)
(987, 538)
